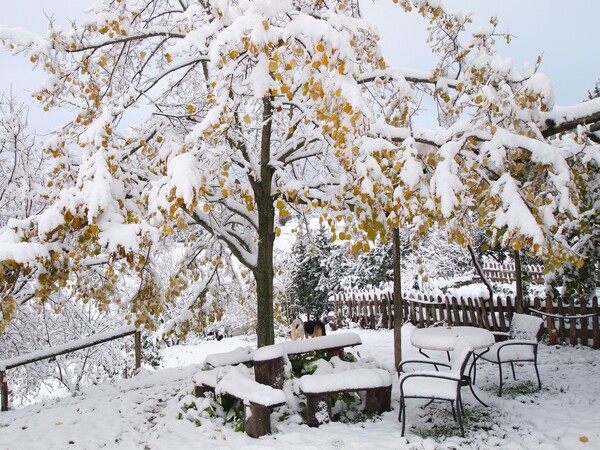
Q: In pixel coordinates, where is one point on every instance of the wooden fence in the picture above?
(573, 324)
(69, 347)
(505, 273)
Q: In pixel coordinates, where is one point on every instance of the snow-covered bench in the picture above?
(258, 398)
(240, 355)
(318, 389)
(269, 360)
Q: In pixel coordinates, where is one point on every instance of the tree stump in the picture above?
(270, 372)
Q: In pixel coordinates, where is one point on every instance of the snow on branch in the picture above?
(567, 118)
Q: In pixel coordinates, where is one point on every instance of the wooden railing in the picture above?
(69, 347)
(565, 323)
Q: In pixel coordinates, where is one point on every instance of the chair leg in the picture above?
(453, 410)
(537, 373)
(400, 412)
(403, 413)
(460, 418)
(512, 366)
(500, 372)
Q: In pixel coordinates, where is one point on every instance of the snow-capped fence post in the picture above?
(3, 391)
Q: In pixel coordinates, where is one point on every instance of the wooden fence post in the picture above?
(3, 391)
(595, 320)
(138, 350)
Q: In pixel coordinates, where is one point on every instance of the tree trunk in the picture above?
(398, 319)
(480, 272)
(266, 236)
(519, 305)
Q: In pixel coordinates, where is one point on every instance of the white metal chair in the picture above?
(521, 346)
(436, 384)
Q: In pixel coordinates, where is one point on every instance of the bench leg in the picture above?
(318, 409)
(270, 372)
(258, 420)
(201, 390)
(378, 400)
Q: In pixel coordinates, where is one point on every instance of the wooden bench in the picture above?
(258, 399)
(240, 355)
(377, 383)
(269, 360)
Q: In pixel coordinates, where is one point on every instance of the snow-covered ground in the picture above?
(142, 413)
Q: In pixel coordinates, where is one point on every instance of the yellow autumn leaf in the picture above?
(272, 66)
(191, 109)
(168, 57)
(320, 47)
(246, 118)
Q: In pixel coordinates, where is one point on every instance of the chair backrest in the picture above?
(460, 356)
(523, 326)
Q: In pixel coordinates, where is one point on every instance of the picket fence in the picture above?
(505, 273)
(564, 323)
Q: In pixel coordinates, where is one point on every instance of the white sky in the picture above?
(566, 34)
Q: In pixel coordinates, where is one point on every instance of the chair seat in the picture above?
(429, 387)
(509, 352)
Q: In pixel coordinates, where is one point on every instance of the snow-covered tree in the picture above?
(240, 111)
(246, 108)
(21, 164)
(504, 157)
(59, 320)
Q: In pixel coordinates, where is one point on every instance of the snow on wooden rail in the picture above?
(62, 349)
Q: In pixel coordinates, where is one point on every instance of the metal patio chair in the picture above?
(436, 384)
(521, 346)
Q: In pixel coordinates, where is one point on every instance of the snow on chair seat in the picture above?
(377, 383)
(235, 382)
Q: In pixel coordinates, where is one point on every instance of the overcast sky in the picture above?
(566, 34)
